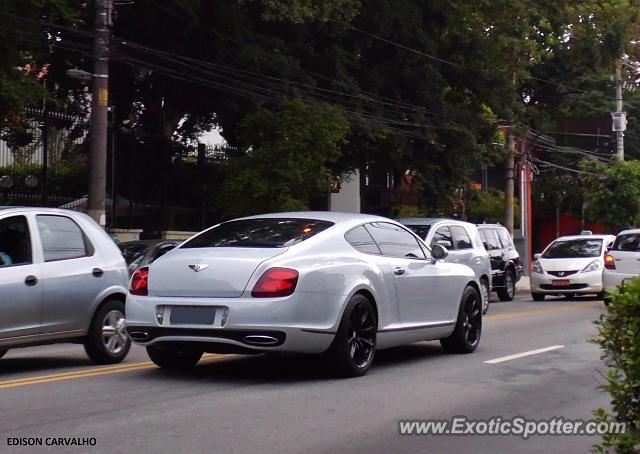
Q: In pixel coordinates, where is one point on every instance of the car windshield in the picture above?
(259, 233)
(562, 249)
(421, 230)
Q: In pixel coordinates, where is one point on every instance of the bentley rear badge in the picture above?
(198, 267)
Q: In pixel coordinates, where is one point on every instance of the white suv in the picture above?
(622, 262)
(464, 244)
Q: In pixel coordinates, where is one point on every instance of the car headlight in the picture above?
(593, 266)
(537, 267)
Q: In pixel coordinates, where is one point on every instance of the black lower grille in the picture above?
(564, 287)
(562, 273)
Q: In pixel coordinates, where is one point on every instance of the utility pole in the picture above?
(619, 119)
(509, 176)
(99, 120)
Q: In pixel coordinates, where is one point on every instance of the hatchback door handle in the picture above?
(31, 280)
(398, 271)
(97, 272)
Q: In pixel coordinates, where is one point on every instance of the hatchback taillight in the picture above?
(140, 282)
(609, 262)
(275, 282)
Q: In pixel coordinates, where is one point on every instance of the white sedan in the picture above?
(311, 282)
(571, 265)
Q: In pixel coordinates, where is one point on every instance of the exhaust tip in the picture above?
(255, 339)
(139, 335)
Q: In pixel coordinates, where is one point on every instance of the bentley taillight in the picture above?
(275, 282)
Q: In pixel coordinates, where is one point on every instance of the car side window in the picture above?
(362, 241)
(394, 241)
(505, 238)
(62, 238)
(15, 242)
(443, 237)
(461, 238)
(490, 239)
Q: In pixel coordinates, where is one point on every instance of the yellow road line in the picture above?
(89, 373)
(122, 368)
(550, 310)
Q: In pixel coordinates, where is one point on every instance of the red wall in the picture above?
(569, 225)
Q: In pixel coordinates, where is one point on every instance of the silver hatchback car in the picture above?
(463, 242)
(62, 279)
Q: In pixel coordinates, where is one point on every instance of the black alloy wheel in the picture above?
(353, 349)
(466, 335)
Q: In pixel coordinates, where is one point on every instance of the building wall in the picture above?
(348, 199)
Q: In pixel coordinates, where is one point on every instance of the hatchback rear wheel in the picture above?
(353, 349)
(107, 341)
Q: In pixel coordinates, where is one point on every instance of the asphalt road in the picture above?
(239, 404)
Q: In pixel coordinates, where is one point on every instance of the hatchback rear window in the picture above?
(259, 233)
(627, 242)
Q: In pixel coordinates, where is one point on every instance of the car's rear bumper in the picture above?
(581, 283)
(303, 322)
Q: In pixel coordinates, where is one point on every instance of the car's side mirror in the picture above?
(439, 252)
(536, 256)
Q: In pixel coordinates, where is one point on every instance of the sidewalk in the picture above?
(523, 285)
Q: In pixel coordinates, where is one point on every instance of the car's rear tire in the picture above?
(173, 358)
(485, 292)
(600, 296)
(107, 341)
(508, 291)
(466, 335)
(538, 296)
(352, 351)
(3, 351)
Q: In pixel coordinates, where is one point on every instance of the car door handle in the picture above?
(97, 272)
(31, 280)
(398, 271)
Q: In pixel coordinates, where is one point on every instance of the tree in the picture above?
(612, 192)
(286, 163)
(29, 32)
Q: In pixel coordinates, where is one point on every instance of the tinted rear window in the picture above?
(627, 242)
(421, 230)
(133, 251)
(573, 249)
(259, 233)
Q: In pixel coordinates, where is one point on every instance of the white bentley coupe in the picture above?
(339, 284)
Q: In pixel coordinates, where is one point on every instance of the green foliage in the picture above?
(25, 42)
(289, 151)
(299, 11)
(612, 192)
(407, 211)
(619, 339)
(487, 206)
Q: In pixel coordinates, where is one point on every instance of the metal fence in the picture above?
(43, 162)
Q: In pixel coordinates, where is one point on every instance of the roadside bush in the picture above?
(619, 339)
